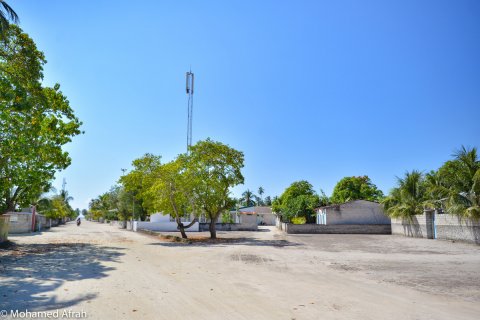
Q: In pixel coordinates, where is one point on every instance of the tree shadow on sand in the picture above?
(223, 242)
(29, 273)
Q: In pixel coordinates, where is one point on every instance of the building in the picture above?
(353, 213)
(265, 217)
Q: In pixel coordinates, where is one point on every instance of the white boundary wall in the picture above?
(163, 226)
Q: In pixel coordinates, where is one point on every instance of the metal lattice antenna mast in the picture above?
(189, 88)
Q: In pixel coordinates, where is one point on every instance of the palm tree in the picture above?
(6, 14)
(268, 201)
(409, 197)
(461, 178)
(65, 196)
(261, 191)
(248, 197)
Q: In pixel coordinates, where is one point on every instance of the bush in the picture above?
(299, 220)
(227, 218)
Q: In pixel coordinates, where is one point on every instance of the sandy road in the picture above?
(115, 274)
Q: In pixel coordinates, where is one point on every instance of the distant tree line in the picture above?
(453, 188)
(298, 202)
(249, 199)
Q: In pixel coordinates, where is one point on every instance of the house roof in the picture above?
(337, 206)
(254, 209)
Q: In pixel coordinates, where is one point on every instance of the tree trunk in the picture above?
(180, 225)
(213, 231)
(181, 228)
(182, 231)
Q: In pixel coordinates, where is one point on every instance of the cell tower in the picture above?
(190, 78)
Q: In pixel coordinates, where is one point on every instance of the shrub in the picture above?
(299, 220)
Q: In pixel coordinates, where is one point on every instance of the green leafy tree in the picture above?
(174, 191)
(119, 204)
(127, 205)
(141, 178)
(35, 123)
(324, 199)
(298, 200)
(57, 209)
(227, 218)
(124, 203)
(94, 208)
(409, 198)
(7, 14)
(215, 168)
(87, 214)
(355, 188)
(106, 205)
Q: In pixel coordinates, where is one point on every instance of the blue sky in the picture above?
(313, 90)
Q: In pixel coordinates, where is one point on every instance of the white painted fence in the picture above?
(159, 222)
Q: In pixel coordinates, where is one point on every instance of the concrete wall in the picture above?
(4, 223)
(41, 222)
(128, 225)
(335, 229)
(53, 222)
(278, 223)
(451, 227)
(248, 222)
(228, 227)
(415, 226)
(118, 224)
(282, 226)
(432, 225)
(162, 226)
(266, 219)
(160, 217)
(20, 222)
(354, 212)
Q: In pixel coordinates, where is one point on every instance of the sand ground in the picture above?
(110, 273)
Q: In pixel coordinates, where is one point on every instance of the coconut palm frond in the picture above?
(10, 13)
(7, 14)
(409, 197)
(476, 184)
(473, 212)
